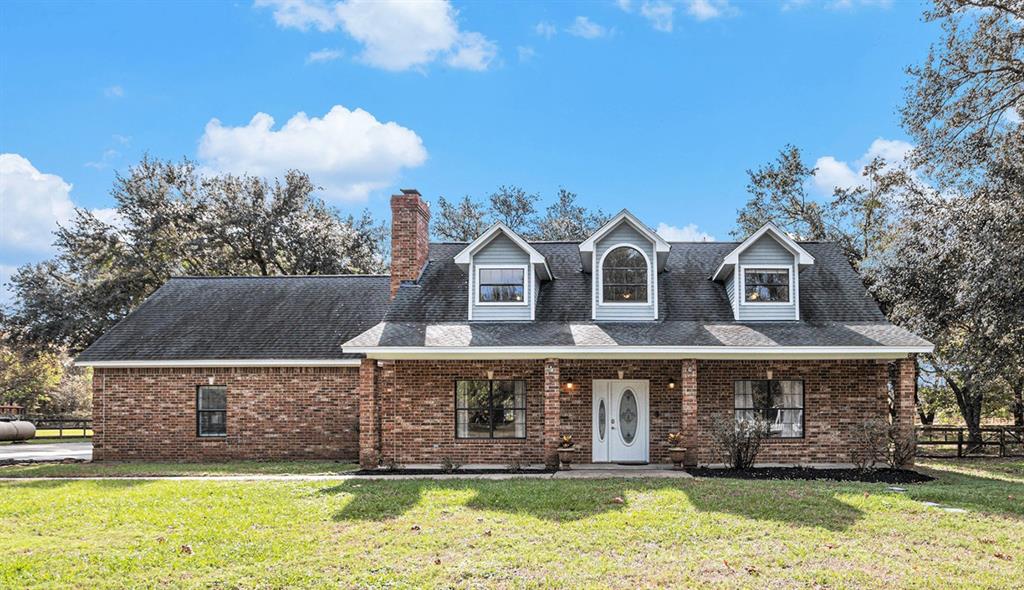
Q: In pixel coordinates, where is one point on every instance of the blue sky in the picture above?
(658, 106)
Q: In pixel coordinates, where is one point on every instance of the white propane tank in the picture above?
(16, 430)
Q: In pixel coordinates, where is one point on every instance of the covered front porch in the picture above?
(514, 412)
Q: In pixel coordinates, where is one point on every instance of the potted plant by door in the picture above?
(566, 451)
(676, 452)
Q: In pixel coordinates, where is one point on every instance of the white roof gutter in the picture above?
(184, 363)
(640, 352)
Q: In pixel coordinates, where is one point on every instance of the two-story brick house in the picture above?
(486, 352)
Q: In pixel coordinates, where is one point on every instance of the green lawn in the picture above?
(520, 533)
(149, 469)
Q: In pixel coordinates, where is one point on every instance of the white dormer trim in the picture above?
(465, 258)
(801, 256)
(588, 246)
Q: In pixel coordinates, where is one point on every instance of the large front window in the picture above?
(779, 403)
(766, 285)
(490, 409)
(502, 285)
(212, 411)
(624, 276)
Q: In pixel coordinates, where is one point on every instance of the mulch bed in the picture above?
(870, 476)
(426, 471)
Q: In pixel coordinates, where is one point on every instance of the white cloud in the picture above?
(1011, 116)
(709, 9)
(472, 51)
(687, 233)
(302, 14)
(626, 5)
(660, 14)
(833, 172)
(586, 28)
(349, 153)
(851, 4)
(121, 139)
(109, 216)
(6, 272)
(105, 160)
(545, 29)
(114, 91)
(324, 55)
(526, 53)
(396, 35)
(32, 203)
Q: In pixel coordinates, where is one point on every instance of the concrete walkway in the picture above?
(573, 474)
(46, 451)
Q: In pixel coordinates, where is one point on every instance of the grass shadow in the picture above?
(573, 500)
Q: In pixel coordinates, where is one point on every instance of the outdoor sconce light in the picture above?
(209, 380)
(671, 383)
(621, 373)
(569, 385)
(490, 375)
(769, 374)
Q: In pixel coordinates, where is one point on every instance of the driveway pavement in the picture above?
(46, 452)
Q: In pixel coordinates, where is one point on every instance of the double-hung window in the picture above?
(501, 285)
(766, 285)
(490, 409)
(212, 410)
(779, 403)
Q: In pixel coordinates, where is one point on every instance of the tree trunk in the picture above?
(969, 399)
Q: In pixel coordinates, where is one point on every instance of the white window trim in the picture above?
(741, 294)
(651, 296)
(527, 291)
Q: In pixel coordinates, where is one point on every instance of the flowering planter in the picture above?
(566, 456)
(677, 455)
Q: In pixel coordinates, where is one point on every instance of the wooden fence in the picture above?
(954, 441)
(62, 427)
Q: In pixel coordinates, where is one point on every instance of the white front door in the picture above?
(621, 421)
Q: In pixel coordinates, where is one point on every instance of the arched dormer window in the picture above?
(624, 276)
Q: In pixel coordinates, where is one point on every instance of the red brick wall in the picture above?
(410, 237)
(316, 413)
(273, 413)
(418, 412)
(417, 403)
(838, 395)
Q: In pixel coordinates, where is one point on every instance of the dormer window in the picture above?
(766, 285)
(624, 276)
(501, 285)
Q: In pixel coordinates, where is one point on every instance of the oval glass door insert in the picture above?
(601, 420)
(628, 416)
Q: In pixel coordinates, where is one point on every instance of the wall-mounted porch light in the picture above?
(621, 373)
(569, 385)
(672, 383)
(769, 373)
(490, 375)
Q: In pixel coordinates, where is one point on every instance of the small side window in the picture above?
(212, 410)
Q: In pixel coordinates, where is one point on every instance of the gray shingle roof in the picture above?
(835, 308)
(192, 318)
(667, 333)
(830, 290)
(283, 318)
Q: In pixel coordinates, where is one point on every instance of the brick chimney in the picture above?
(410, 236)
